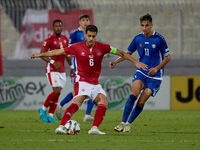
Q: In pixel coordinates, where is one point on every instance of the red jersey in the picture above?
(55, 42)
(88, 60)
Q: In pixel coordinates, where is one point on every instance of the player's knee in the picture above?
(140, 103)
(103, 103)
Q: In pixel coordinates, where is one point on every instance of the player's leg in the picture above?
(60, 79)
(88, 116)
(80, 96)
(138, 108)
(50, 98)
(151, 88)
(99, 98)
(137, 86)
(53, 105)
(77, 102)
(46, 104)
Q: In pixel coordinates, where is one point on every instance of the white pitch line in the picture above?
(152, 141)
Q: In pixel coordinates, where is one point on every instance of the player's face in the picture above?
(90, 38)
(57, 28)
(146, 27)
(84, 22)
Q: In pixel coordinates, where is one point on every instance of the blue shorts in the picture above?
(150, 83)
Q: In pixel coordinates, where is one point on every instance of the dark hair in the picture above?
(56, 21)
(91, 28)
(146, 17)
(84, 16)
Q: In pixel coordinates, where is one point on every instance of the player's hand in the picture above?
(35, 55)
(72, 74)
(141, 65)
(112, 64)
(104, 56)
(57, 65)
(152, 71)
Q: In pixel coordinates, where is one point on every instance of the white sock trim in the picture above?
(44, 108)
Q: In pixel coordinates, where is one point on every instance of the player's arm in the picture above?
(44, 58)
(124, 56)
(57, 65)
(161, 65)
(56, 52)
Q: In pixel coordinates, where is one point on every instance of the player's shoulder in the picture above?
(75, 31)
(158, 35)
(50, 37)
(139, 35)
(63, 36)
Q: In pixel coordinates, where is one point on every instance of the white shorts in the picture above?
(88, 90)
(56, 79)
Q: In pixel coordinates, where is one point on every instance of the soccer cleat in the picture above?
(88, 118)
(43, 115)
(60, 130)
(120, 127)
(51, 119)
(127, 128)
(59, 112)
(95, 130)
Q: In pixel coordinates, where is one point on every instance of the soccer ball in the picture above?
(72, 127)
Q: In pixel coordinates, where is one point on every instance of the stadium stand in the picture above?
(118, 21)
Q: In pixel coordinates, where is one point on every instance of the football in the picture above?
(72, 127)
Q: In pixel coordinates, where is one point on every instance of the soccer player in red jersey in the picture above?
(89, 55)
(55, 70)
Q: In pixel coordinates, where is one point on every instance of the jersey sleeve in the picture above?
(107, 48)
(132, 47)
(72, 38)
(46, 44)
(163, 47)
(69, 50)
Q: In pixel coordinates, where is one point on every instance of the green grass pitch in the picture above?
(152, 130)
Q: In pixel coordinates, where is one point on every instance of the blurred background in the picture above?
(118, 22)
(26, 23)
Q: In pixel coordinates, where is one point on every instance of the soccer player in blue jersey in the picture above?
(154, 52)
(75, 37)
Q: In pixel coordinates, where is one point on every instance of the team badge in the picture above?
(82, 54)
(55, 42)
(82, 38)
(153, 46)
(99, 53)
(44, 44)
(65, 41)
(83, 90)
(140, 45)
(91, 56)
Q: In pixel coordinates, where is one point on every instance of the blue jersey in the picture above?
(151, 52)
(75, 37)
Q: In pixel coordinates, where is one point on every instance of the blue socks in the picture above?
(136, 111)
(128, 107)
(67, 98)
(89, 107)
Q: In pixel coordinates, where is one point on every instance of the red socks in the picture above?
(53, 106)
(51, 98)
(99, 114)
(68, 113)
